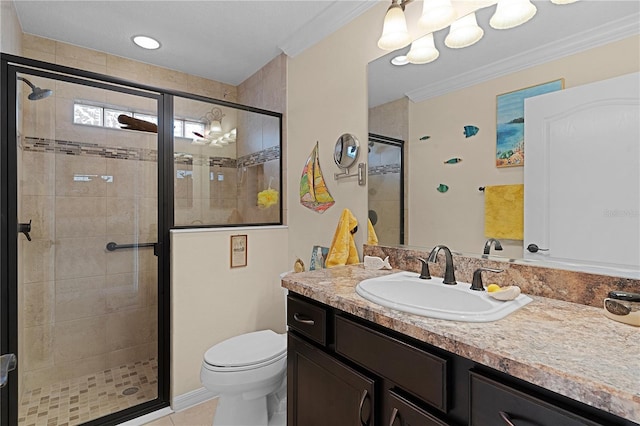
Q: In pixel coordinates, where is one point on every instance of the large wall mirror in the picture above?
(460, 89)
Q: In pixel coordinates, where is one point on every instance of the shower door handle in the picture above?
(25, 228)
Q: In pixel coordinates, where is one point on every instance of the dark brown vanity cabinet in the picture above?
(345, 371)
(323, 391)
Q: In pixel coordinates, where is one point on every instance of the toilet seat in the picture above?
(246, 352)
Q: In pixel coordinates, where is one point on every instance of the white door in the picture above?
(582, 176)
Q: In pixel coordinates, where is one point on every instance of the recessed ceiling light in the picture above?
(146, 42)
(400, 60)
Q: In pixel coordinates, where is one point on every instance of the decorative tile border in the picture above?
(260, 157)
(88, 149)
(571, 286)
(384, 169)
(56, 146)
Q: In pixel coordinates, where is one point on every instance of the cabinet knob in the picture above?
(507, 419)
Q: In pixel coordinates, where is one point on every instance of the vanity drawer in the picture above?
(419, 373)
(307, 319)
(494, 403)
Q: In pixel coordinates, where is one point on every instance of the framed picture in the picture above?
(318, 257)
(238, 251)
(510, 122)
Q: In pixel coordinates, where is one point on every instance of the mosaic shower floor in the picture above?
(89, 397)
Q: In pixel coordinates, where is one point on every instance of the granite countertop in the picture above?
(568, 348)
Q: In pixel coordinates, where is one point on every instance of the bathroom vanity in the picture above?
(352, 362)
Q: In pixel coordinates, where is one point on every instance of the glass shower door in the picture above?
(87, 283)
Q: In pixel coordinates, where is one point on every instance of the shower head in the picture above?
(36, 92)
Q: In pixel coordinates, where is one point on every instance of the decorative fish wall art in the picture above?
(470, 131)
(424, 138)
(453, 160)
(442, 188)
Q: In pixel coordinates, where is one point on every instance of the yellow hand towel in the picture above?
(504, 212)
(372, 238)
(343, 249)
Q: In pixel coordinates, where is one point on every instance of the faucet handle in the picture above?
(424, 273)
(476, 283)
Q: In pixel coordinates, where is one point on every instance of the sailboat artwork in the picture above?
(314, 193)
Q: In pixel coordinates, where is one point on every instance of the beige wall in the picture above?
(456, 218)
(327, 96)
(212, 302)
(11, 34)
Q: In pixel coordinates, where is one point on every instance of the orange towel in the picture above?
(504, 212)
(343, 248)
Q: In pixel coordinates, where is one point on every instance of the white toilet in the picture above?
(248, 373)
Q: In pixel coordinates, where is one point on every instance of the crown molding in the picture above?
(325, 23)
(576, 43)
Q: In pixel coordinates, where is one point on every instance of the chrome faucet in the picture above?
(449, 275)
(487, 245)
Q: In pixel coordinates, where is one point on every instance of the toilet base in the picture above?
(234, 410)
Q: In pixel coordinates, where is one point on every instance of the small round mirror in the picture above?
(346, 151)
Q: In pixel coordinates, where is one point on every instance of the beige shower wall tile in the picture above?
(39, 55)
(38, 347)
(127, 355)
(126, 292)
(39, 118)
(80, 216)
(71, 52)
(80, 257)
(37, 261)
(79, 92)
(40, 44)
(65, 129)
(131, 178)
(63, 371)
(40, 210)
(68, 166)
(38, 303)
(205, 87)
(128, 328)
(80, 339)
(133, 216)
(80, 298)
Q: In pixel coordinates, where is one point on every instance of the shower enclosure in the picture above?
(83, 263)
(94, 172)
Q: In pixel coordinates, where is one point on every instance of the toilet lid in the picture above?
(247, 349)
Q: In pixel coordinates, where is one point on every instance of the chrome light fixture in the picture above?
(464, 32)
(511, 13)
(460, 16)
(394, 30)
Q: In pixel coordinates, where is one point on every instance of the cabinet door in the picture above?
(322, 391)
(405, 413)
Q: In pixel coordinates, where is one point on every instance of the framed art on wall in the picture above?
(510, 122)
(238, 251)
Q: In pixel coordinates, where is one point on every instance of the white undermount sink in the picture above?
(405, 292)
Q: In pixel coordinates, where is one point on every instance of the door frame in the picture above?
(10, 65)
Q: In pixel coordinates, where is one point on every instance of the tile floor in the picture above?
(88, 397)
(199, 415)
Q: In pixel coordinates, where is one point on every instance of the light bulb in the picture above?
(423, 50)
(464, 32)
(394, 30)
